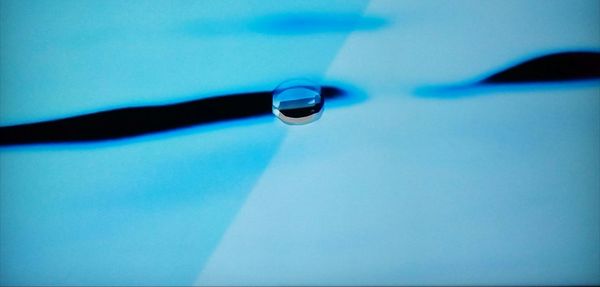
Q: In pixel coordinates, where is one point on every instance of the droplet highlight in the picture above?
(298, 102)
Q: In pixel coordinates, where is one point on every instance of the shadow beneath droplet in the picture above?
(137, 121)
(557, 70)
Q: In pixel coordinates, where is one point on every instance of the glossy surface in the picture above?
(298, 102)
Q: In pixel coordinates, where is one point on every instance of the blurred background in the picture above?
(419, 175)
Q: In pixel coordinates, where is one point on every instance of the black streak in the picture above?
(136, 121)
(566, 66)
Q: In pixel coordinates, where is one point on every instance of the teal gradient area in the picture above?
(138, 212)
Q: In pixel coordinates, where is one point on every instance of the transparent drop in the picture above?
(298, 102)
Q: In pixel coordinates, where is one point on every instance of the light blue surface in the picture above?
(500, 188)
(495, 186)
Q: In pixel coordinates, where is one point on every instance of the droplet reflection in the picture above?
(298, 102)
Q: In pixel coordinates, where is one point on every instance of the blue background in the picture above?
(497, 185)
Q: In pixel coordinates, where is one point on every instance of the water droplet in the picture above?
(298, 102)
